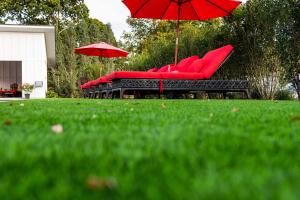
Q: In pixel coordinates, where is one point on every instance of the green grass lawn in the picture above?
(150, 149)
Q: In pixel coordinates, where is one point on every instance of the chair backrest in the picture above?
(184, 64)
(196, 66)
(214, 59)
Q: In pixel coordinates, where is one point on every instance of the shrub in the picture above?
(51, 94)
(283, 95)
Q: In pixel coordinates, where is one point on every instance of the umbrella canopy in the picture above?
(101, 49)
(180, 10)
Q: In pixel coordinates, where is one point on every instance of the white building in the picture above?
(25, 54)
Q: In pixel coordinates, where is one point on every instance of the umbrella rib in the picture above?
(216, 5)
(166, 10)
(140, 8)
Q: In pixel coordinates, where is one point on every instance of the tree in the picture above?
(46, 12)
(288, 32)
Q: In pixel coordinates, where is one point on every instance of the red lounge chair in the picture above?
(95, 88)
(191, 74)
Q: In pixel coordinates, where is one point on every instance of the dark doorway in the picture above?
(10, 78)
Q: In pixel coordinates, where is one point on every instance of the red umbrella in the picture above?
(101, 49)
(180, 10)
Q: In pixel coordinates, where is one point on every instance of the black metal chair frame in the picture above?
(120, 86)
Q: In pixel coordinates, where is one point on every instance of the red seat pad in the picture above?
(163, 69)
(183, 65)
(156, 75)
(182, 76)
(87, 85)
(135, 75)
(102, 80)
(153, 70)
(213, 60)
(94, 83)
(109, 76)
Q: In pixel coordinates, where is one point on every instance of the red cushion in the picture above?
(109, 76)
(174, 68)
(135, 75)
(165, 68)
(183, 76)
(87, 85)
(183, 65)
(214, 59)
(102, 80)
(94, 83)
(153, 70)
(196, 66)
(156, 75)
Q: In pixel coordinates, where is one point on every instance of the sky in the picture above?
(111, 11)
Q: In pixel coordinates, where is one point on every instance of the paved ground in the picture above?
(9, 99)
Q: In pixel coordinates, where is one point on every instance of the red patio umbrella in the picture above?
(180, 10)
(101, 49)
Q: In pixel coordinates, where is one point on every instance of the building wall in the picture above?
(30, 49)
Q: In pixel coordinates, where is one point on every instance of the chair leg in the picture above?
(122, 93)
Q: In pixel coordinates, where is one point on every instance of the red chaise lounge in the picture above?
(191, 74)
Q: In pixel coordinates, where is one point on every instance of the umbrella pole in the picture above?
(100, 67)
(177, 42)
(112, 65)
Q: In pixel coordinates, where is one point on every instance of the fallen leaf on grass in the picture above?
(295, 119)
(234, 110)
(7, 122)
(163, 106)
(99, 183)
(57, 129)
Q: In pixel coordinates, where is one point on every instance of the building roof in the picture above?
(49, 32)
